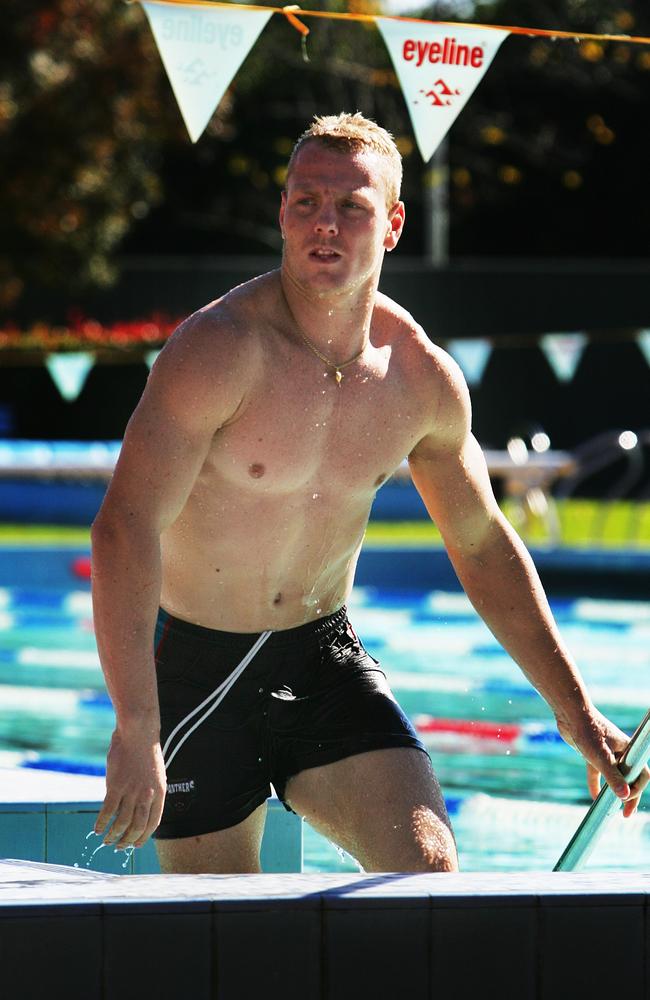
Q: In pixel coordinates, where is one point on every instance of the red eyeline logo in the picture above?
(440, 94)
(448, 52)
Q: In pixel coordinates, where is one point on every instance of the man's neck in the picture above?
(338, 323)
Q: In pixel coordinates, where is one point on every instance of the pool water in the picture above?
(514, 790)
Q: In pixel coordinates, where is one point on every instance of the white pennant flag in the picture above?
(472, 356)
(643, 340)
(202, 48)
(439, 68)
(69, 372)
(563, 352)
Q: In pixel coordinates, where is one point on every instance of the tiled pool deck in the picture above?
(89, 935)
(79, 934)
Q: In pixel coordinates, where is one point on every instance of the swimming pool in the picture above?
(515, 791)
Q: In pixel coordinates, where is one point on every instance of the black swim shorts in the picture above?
(312, 695)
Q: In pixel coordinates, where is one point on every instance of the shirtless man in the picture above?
(239, 505)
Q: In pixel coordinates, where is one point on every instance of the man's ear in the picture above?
(396, 217)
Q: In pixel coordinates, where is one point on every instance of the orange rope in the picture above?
(292, 19)
(292, 10)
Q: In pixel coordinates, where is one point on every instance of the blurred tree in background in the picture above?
(548, 157)
(83, 113)
(92, 140)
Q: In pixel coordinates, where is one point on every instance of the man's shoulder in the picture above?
(232, 321)
(234, 315)
(404, 333)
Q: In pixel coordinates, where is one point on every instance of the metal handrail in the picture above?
(607, 804)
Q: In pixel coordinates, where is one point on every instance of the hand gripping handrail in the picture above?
(632, 762)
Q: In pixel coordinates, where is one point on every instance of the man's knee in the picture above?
(187, 858)
(233, 850)
(424, 842)
(435, 841)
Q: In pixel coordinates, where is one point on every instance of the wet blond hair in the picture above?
(352, 133)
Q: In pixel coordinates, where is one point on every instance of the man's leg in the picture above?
(236, 849)
(384, 807)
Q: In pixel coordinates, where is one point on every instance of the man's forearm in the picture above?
(126, 593)
(503, 585)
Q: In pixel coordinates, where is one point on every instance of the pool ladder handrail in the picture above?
(607, 804)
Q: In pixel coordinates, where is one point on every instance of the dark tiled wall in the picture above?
(331, 946)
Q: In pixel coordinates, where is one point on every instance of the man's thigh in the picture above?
(236, 849)
(384, 807)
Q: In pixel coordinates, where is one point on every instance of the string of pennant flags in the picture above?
(563, 351)
(438, 64)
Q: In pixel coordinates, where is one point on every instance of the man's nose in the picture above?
(326, 221)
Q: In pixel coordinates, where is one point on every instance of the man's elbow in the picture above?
(478, 538)
(116, 522)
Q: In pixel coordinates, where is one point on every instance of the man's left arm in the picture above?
(499, 577)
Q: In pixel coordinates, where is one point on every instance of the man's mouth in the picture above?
(324, 254)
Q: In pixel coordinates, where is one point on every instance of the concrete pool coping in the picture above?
(526, 935)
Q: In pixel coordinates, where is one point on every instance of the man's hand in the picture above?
(135, 790)
(601, 743)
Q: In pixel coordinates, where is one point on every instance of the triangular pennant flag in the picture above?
(643, 340)
(69, 372)
(472, 356)
(150, 357)
(439, 68)
(563, 352)
(202, 48)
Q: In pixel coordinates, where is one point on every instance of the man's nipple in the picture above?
(256, 470)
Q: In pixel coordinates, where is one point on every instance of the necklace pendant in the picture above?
(338, 376)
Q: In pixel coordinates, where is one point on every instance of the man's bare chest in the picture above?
(313, 433)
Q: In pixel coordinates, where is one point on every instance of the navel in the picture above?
(277, 599)
(256, 470)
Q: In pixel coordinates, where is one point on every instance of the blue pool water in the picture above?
(514, 790)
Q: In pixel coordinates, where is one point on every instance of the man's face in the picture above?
(334, 218)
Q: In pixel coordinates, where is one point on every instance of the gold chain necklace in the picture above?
(338, 372)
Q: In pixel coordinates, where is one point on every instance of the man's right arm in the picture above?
(196, 385)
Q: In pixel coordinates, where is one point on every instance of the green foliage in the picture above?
(547, 157)
(83, 110)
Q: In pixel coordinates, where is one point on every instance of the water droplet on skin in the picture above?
(315, 496)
